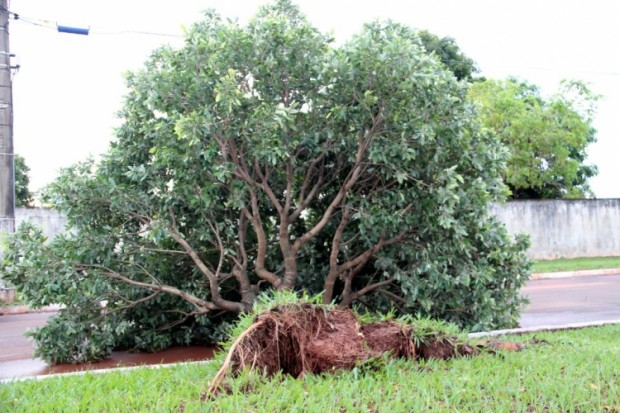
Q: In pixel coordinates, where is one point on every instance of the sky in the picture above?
(69, 87)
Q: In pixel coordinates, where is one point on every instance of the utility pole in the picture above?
(7, 164)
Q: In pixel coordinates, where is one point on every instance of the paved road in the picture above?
(571, 300)
(13, 344)
(17, 359)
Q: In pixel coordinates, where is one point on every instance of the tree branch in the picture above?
(328, 286)
(371, 287)
(349, 182)
(261, 239)
(362, 258)
(392, 296)
(213, 282)
(241, 271)
(197, 302)
(349, 296)
(303, 200)
(133, 303)
(264, 185)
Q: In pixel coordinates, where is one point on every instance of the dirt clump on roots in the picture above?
(444, 348)
(304, 339)
(300, 339)
(389, 337)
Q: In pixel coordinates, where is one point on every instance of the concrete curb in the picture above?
(24, 309)
(569, 274)
(103, 371)
(472, 335)
(517, 331)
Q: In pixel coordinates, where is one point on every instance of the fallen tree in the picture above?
(262, 157)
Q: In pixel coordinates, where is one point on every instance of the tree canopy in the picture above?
(547, 137)
(262, 157)
(449, 53)
(23, 196)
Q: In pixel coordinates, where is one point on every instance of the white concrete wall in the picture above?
(557, 228)
(52, 222)
(565, 228)
(49, 220)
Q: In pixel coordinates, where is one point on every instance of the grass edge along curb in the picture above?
(105, 371)
(570, 274)
(563, 327)
(575, 264)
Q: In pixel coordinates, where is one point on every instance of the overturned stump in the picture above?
(311, 339)
(300, 339)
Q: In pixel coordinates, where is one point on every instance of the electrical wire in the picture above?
(551, 69)
(48, 25)
(40, 23)
(118, 33)
(19, 17)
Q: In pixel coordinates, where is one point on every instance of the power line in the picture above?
(551, 69)
(137, 32)
(47, 24)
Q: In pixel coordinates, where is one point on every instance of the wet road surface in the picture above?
(563, 301)
(17, 360)
(37, 367)
(13, 344)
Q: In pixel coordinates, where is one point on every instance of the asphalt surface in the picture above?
(553, 302)
(17, 359)
(13, 344)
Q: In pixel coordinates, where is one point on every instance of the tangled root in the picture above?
(310, 339)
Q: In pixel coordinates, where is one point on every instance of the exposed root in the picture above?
(221, 374)
(310, 339)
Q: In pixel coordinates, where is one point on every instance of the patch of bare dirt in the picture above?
(493, 346)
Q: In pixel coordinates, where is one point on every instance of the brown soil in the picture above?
(388, 337)
(301, 339)
(492, 346)
(308, 339)
(443, 348)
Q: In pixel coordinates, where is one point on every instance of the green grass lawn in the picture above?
(571, 371)
(576, 264)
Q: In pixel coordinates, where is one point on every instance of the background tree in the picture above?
(23, 196)
(261, 158)
(547, 137)
(448, 53)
